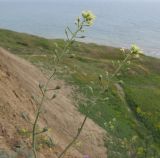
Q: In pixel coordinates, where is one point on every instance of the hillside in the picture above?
(133, 101)
(19, 82)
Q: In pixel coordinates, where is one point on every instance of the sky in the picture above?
(82, 0)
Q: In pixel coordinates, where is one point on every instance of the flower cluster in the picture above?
(135, 50)
(88, 17)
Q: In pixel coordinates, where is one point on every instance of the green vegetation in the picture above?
(133, 99)
(85, 20)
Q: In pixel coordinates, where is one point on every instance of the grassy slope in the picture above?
(141, 84)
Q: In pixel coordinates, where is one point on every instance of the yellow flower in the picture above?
(136, 50)
(78, 144)
(134, 138)
(158, 126)
(89, 17)
(138, 109)
(140, 150)
(122, 50)
(23, 130)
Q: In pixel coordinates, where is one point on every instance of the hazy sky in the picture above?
(84, 0)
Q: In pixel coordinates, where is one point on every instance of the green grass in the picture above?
(141, 84)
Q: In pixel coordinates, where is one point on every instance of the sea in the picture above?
(118, 23)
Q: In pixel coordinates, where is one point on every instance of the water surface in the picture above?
(119, 23)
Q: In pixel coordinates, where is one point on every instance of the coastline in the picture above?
(87, 40)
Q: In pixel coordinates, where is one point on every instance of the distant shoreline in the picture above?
(112, 25)
(87, 41)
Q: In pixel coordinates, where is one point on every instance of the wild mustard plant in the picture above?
(88, 17)
(85, 20)
(132, 147)
(106, 82)
(108, 78)
(134, 51)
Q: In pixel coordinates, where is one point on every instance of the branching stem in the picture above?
(45, 89)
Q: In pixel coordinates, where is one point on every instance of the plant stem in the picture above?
(38, 114)
(120, 66)
(117, 70)
(34, 127)
(74, 139)
(66, 47)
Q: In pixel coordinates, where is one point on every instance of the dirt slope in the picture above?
(19, 82)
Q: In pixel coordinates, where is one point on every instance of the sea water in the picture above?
(118, 23)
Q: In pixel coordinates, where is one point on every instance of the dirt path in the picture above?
(19, 82)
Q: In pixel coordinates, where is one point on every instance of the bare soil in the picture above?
(19, 82)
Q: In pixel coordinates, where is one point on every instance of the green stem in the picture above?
(121, 65)
(34, 126)
(117, 70)
(38, 114)
(74, 35)
(74, 139)
(34, 133)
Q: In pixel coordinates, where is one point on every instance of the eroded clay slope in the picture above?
(19, 82)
